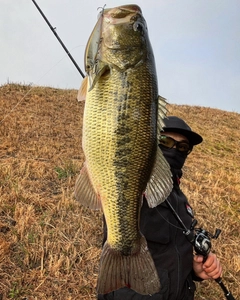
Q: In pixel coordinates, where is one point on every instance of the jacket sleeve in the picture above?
(196, 278)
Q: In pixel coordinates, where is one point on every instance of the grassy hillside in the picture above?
(49, 244)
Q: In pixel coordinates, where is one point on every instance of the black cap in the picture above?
(175, 124)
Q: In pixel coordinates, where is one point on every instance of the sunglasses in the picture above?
(166, 142)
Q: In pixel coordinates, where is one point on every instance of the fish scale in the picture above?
(112, 138)
(120, 127)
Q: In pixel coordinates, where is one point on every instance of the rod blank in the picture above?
(60, 41)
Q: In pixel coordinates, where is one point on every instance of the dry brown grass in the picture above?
(49, 244)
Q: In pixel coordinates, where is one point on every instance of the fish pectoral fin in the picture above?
(162, 112)
(136, 271)
(160, 184)
(82, 92)
(84, 191)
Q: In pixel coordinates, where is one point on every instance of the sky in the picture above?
(196, 45)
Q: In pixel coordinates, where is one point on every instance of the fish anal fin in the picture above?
(84, 191)
(82, 92)
(160, 184)
(136, 271)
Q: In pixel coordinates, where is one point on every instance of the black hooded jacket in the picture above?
(171, 252)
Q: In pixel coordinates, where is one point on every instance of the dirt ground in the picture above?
(49, 244)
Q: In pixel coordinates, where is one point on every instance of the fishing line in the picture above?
(33, 85)
(66, 50)
(58, 38)
(16, 105)
(168, 221)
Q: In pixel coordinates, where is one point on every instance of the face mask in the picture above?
(175, 158)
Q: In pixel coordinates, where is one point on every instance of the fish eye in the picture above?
(137, 26)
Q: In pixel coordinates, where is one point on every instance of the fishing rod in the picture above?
(201, 241)
(60, 41)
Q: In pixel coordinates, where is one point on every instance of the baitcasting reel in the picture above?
(202, 239)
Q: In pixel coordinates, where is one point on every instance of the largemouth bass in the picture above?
(122, 119)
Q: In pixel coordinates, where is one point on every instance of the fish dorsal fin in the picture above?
(162, 112)
(160, 184)
(84, 191)
(82, 92)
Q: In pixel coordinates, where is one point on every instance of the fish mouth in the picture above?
(120, 22)
(122, 14)
(123, 11)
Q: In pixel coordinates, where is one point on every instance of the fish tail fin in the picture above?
(136, 271)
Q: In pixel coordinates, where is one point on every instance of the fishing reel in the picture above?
(201, 240)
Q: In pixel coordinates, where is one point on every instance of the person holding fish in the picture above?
(171, 251)
(126, 174)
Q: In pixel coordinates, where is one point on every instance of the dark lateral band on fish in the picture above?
(123, 116)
